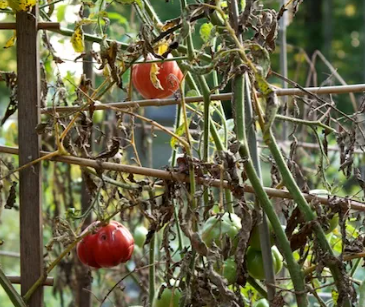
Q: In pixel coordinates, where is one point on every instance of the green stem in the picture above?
(309, 215)
(152, 269)
(264, 231)
(283, 243)
(13, 295)
(206, 98)
(173, 162)
(151, 12)
(310, 123)
(42, 278)
(258, 287)
(362, 294)
(216, 139)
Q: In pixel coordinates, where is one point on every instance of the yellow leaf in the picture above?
(4, 4)
(153, 76)
(11, 41)
(161, 48)
(180, 131)
(77, 39)
(22, 5)
(334, 296)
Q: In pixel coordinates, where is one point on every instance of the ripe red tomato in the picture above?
(107, 247)
(169, 75)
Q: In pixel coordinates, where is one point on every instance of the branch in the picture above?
(227, 96)
(175, 176)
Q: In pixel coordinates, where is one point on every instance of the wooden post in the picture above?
(31, 235)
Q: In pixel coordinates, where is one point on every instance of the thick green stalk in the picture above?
(13, 295)
(264, 231)
(308, 214)
(151, 12)
(283, 243)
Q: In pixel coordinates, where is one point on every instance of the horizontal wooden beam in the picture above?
(16, 280)
(175, 176)
(9, 254)
(344, 89)
(41, 26)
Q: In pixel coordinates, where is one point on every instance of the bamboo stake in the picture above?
(227, 96)
(175, 176)
(16, 280)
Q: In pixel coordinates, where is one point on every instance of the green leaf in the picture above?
(179, 132)
(61, 12)
(192, 93)
(243, 5)
(205, 31)
(117, 17)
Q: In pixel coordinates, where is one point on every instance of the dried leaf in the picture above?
(10, 202)
(153, 76)
(11, 41)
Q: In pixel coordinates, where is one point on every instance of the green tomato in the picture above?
(261, 303)
(168, 299)
(254, 241)
(230, 271)
(255, 263)
(278, 259)
(215, 228)
(98, 116)
(139, 235)
(333, 223)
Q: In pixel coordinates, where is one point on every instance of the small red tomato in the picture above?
(169, 75)
(107, 247)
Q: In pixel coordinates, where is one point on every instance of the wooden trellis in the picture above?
(29, 111)
(30, 187)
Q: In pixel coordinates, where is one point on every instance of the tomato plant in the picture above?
(218, 226)
(108, 246)
(169, 298)
(255, 262)
(169, 75)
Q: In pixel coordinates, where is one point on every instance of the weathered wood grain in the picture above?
(31, 235)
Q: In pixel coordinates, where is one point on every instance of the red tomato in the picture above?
(169, 75)
(107, 247)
